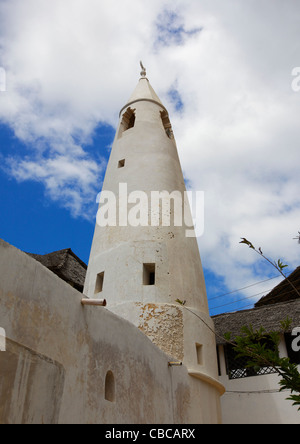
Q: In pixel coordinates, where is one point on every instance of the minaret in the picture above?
(142, 269)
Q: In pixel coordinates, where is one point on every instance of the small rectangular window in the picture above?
(199, 350)
(149, 274)
(99, 283)
(121, 163)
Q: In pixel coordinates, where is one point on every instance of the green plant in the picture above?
(260, 348)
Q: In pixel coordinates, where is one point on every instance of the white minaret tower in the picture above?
(143, 264)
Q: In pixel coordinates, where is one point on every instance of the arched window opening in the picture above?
(128, 121)
(167, 124)
(131, 121)
(110, 387)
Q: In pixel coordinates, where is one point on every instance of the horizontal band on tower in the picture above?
(143, 100)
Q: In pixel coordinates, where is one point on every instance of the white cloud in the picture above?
(69, 181)
(238, 133)
(223, 69)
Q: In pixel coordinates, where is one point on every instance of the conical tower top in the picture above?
(143, 92)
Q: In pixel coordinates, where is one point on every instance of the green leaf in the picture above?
(286, 324)
(227, 336)
(280, 265)
(246, 242)
(180, 302)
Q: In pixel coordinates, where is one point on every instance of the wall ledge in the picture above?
(209, 379)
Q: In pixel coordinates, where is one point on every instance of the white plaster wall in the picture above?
(43, 315)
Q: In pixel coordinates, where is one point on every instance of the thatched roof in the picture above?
(268, 316)
(66, 265)
(284, 291)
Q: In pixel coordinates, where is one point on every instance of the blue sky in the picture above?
(224, 72)
(31, 221)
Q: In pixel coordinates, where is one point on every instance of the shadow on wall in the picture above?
(31, 386)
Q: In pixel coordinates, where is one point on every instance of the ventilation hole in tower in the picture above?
(99, 283)
(131, 121)
(149, 274)
(121, 163)
(167, 124)
(199, 350)
(110, 387)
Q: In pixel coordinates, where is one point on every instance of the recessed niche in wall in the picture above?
(99, 283)
(149, 274)
(110, 387)
(199, 350)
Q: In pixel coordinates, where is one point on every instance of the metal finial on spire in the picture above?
(143, 72)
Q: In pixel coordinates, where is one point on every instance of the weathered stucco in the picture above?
(163, 324)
